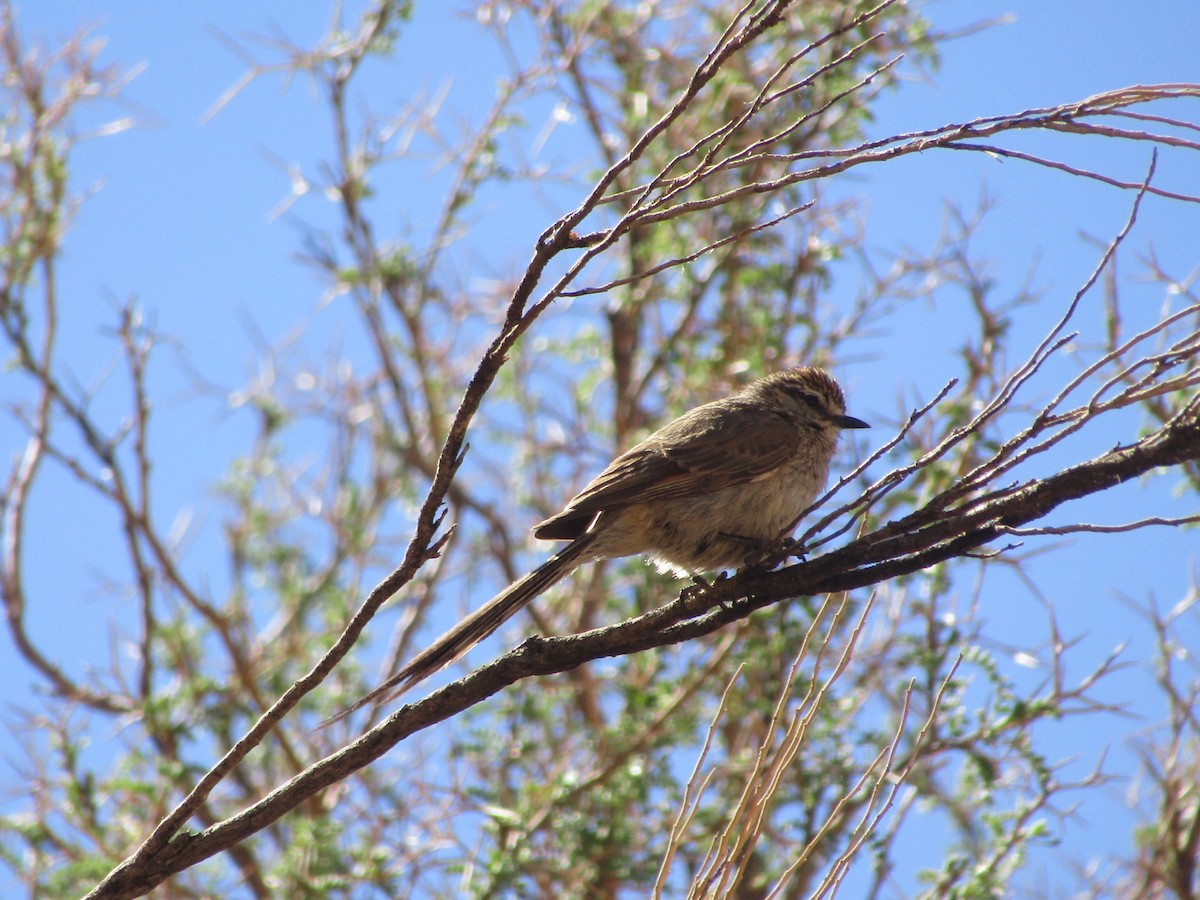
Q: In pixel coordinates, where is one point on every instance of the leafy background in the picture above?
(193, 212)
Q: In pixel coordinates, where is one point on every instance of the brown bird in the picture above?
(714, 487)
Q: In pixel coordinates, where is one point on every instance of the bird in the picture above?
(708, 491)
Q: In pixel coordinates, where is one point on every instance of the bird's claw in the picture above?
(694, 591)
(790, 547)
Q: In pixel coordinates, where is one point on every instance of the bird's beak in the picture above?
(849, 422)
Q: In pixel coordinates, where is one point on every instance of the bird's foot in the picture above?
(790, 547)
(695, 591)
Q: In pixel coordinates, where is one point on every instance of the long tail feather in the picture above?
(477, 626)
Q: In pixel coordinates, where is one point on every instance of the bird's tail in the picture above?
(477, 626)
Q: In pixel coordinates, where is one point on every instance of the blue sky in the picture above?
(181, 219)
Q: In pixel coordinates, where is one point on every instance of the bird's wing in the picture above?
(738, 445)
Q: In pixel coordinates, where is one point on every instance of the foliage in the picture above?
(795, 729)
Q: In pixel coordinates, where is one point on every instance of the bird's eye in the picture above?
(811, 400)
